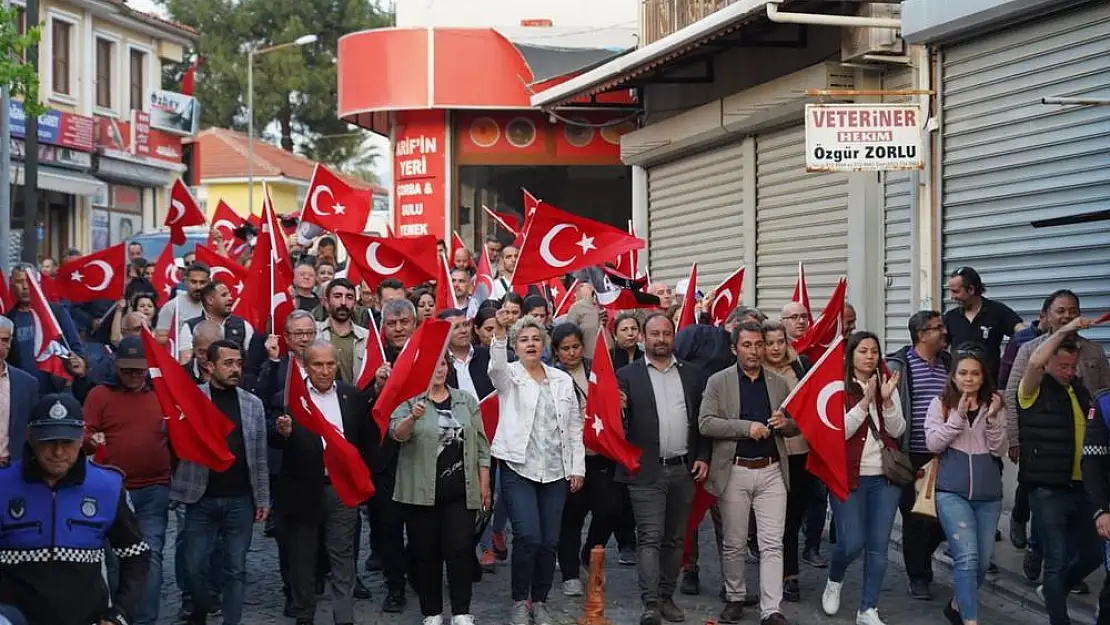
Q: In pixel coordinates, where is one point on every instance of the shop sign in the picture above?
(527, 137)
(67, 130)
(53, 155)
(137, 138)
(420, 172)
(173, 112)
(863, 137)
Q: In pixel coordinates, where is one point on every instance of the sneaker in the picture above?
(488, 561)
(521, 614)
(869, 617)
(691, 583)
(732, 613)
(830, 599)
(462, 619)
(1031, 566)
(669, 611)
(627, 557)
(500, 549)
(572, 588)
(814, 558)
(540, 615)
(1040, 593)
(433, 620)
(791, 591)
(1018, 536)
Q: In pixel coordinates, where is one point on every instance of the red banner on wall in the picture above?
(137, 137)
(420, 172)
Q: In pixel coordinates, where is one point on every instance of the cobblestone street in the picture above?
(491, 596)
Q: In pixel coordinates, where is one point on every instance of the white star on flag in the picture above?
(76, 276)
(586, 243)
(338, 208)
(598, 426)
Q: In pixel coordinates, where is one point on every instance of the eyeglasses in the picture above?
(797, 317)
(937, 328)
(302, 334)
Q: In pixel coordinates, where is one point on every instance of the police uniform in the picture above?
(52, 539)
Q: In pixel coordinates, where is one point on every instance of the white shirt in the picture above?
(462, 374)
(328, 403)
(543, 461)
(871, 461)
(186, 309)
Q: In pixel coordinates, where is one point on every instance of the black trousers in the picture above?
(444, 535)
(601, 496)
(1020, 513)
(921, 535)
(797, 502)
(387, 533)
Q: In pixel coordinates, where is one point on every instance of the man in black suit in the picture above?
(662, 397)
(470, 363)
(308, 503)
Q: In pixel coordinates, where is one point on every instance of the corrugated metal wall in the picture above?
(1008, 160)
(799, 217)
(897, 236)
(694, 213)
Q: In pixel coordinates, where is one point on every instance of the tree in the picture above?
(21, 78)
(294, 87)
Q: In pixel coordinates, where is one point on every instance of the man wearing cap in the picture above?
(55, 576)
(125, 429)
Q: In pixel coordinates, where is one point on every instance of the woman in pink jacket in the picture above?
(965, 427)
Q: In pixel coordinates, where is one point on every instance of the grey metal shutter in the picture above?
(897, 237)
(799, 217)
(694, 213)
(1008, 160)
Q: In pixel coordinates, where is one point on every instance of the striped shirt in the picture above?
(926, 383)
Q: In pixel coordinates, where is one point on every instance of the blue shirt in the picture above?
(25, 341)
(926, 383)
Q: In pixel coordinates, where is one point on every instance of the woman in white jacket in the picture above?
(539, 440)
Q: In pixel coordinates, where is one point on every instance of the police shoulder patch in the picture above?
(17, 507)
(89, 507)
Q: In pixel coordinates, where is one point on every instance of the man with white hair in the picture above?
(19, 391)
(664, 292)
(796, 320)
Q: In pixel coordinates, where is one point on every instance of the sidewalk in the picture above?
(1009, 583)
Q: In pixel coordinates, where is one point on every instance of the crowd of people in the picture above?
(87, 457)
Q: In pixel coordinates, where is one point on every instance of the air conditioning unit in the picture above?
(872, 43)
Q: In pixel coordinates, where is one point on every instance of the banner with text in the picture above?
(420, 172)
(863, 137)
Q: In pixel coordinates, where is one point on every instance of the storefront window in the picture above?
(117, 216)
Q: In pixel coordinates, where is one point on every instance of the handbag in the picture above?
(897, 468)
(925, 503)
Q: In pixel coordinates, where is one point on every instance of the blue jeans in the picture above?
(215, 570)
(1071, 546)
(536, 512)
(207, 520)
(863, 524)
(500, 516)
(969, 527)
(152, 505)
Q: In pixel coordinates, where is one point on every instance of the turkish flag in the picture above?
(559, 242)
(97, 276)
(412, 260)
(491, 414)
(344, 464)
(817, 405)
(270, 276)
(49, 288)
(604, 431)
(615, 298)
(628, 264)
(689, 314)
(563, 303)
(483, 284)
(531, 203)
(227, 221)
(49, 349)
(445, 294)
(726, 297)
(456, 245)
(505, 220)
(801, 291)
(826, 328)
(171, 336)
(412, 372)
(184, 211)
(198, 431)
(333, 204)
(224, 270)
(374, 358)
(165, 275)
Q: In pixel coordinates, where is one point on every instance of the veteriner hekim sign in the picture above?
(863, 137)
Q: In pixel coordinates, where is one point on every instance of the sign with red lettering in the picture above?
(863, 137)
(420, 172)
(137, 138)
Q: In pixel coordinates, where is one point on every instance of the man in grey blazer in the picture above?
(748, 470)
(19, 392)
(224, 504)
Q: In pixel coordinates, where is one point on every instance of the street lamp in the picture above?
(303, 40)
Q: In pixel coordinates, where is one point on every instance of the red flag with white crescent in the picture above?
(165, 276)
(726, 297)
(98, 276)
(483, 284)
(184, 210)
(374, 358)
(227, 221)
(817, 405)
(445, 294)
(558, 243)
(412, 372)
(603, 430)
(412, 260)
(689, 314)
(49, 348)
(333, 204)
(801, 289)
(826, 328)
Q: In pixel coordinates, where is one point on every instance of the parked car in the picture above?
(154, 241)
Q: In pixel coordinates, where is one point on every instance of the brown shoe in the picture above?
(671, 612)
(732, 613)
(775, 618)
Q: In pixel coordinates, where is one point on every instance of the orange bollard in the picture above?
(594, 613)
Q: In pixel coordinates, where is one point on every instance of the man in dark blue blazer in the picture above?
(19, 391)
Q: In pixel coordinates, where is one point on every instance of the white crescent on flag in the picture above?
(109, 273)
(376, 265)
(827, 392)
(545, 247)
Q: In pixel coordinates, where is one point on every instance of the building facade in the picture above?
(110, 142)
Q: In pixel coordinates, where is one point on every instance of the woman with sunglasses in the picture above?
(965, 427)
(864, 520)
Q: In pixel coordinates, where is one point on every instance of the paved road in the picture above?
(491, 596)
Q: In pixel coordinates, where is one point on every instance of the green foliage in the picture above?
(295, 87)
(21, 78)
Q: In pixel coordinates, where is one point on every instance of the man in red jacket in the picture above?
(124, 428)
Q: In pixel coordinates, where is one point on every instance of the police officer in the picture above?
(58, 512)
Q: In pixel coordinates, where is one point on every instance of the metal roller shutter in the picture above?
(897, 237)
(694, 213)
(799, 217)
(1008, 160)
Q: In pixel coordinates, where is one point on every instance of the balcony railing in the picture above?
(660, 18)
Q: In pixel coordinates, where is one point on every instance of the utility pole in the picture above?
(31, 159)
(5, 177)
